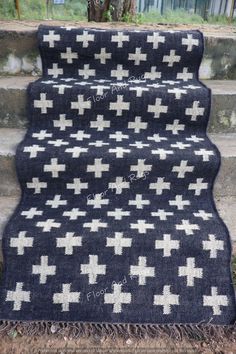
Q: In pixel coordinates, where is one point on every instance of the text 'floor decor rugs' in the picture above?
(117, 223)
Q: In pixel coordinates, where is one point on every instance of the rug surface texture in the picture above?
(117, 222)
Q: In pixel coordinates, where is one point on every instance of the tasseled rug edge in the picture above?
(202, 332)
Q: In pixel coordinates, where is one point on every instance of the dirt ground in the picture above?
(51, 345)
(214, 30)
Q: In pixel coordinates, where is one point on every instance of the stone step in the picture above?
(226, 207)
(224, 186)
(13, 103)
(19, 53)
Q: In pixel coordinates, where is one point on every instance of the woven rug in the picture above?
(117, 223)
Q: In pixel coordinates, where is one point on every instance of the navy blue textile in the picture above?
(117, 221)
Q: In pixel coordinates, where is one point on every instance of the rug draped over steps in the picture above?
(117, 222)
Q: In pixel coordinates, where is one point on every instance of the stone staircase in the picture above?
(20, 64)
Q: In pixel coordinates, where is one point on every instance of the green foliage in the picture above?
(177, 16)
(36, 10)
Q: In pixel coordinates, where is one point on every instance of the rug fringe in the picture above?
(201, 331)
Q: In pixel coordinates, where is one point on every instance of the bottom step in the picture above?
(225, 205)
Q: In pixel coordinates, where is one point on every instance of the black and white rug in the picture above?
(117, 222)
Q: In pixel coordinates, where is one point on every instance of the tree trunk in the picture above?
(110, 9)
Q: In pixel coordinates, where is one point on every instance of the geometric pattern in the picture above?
(117, 222)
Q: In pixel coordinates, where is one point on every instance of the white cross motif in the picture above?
(190, 42)
(76, 151)
(43, 103)
(139, 145)
(119, 185)
(179, 202)
(54, 168)
(118, 242)
(118, 213)
(117, 298)
(156, 138)
(167, 245)
(137, 57)
(21, 242)
(142, 226)
(153, 74)
(97, 201)
(93, 269)
(140, 168)
(36, 185)
(86, 72)
(119, 106)
(190, 271)
(179, 145)
(142, 271)
(33, 150)
(98, 143)
(100, 89)
(162, 153)
(182, 169)
(198, 186)
(48, 224)
(100, 123)
(85, 38)
(202, 214)
(69, 56)
(138, 202)
(215, 301)
(56, 202)
(118, 136)
(77, 185)
(162, 214)
(175, 127)
(51, 37)
(119, 39)
(159, 185)
(18, 296)
(95, 224)
(81, 104)
(61, 88)
(68, 242)
(62, 123)
(187, 227)
(42, 135)
(74, 213)
(171, 59)
(80, 135)
(119, 73)
(31, 213)
(139, 90)
(177, 92)
(204, 153)
(185, 75)
(66, 297)
(55, 71)
(167, 299)
(157, 108)
(155, 39)
(43, 270)
(103, 56)
(195, 111)
(98, 168)
(119, 151)
(213, 245)
(137, 125)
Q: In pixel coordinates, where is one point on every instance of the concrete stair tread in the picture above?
(10, 138)
(225, 183)
(226, 207)
(13, 103)
(219, 87)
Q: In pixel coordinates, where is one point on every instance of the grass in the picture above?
(77, 10)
